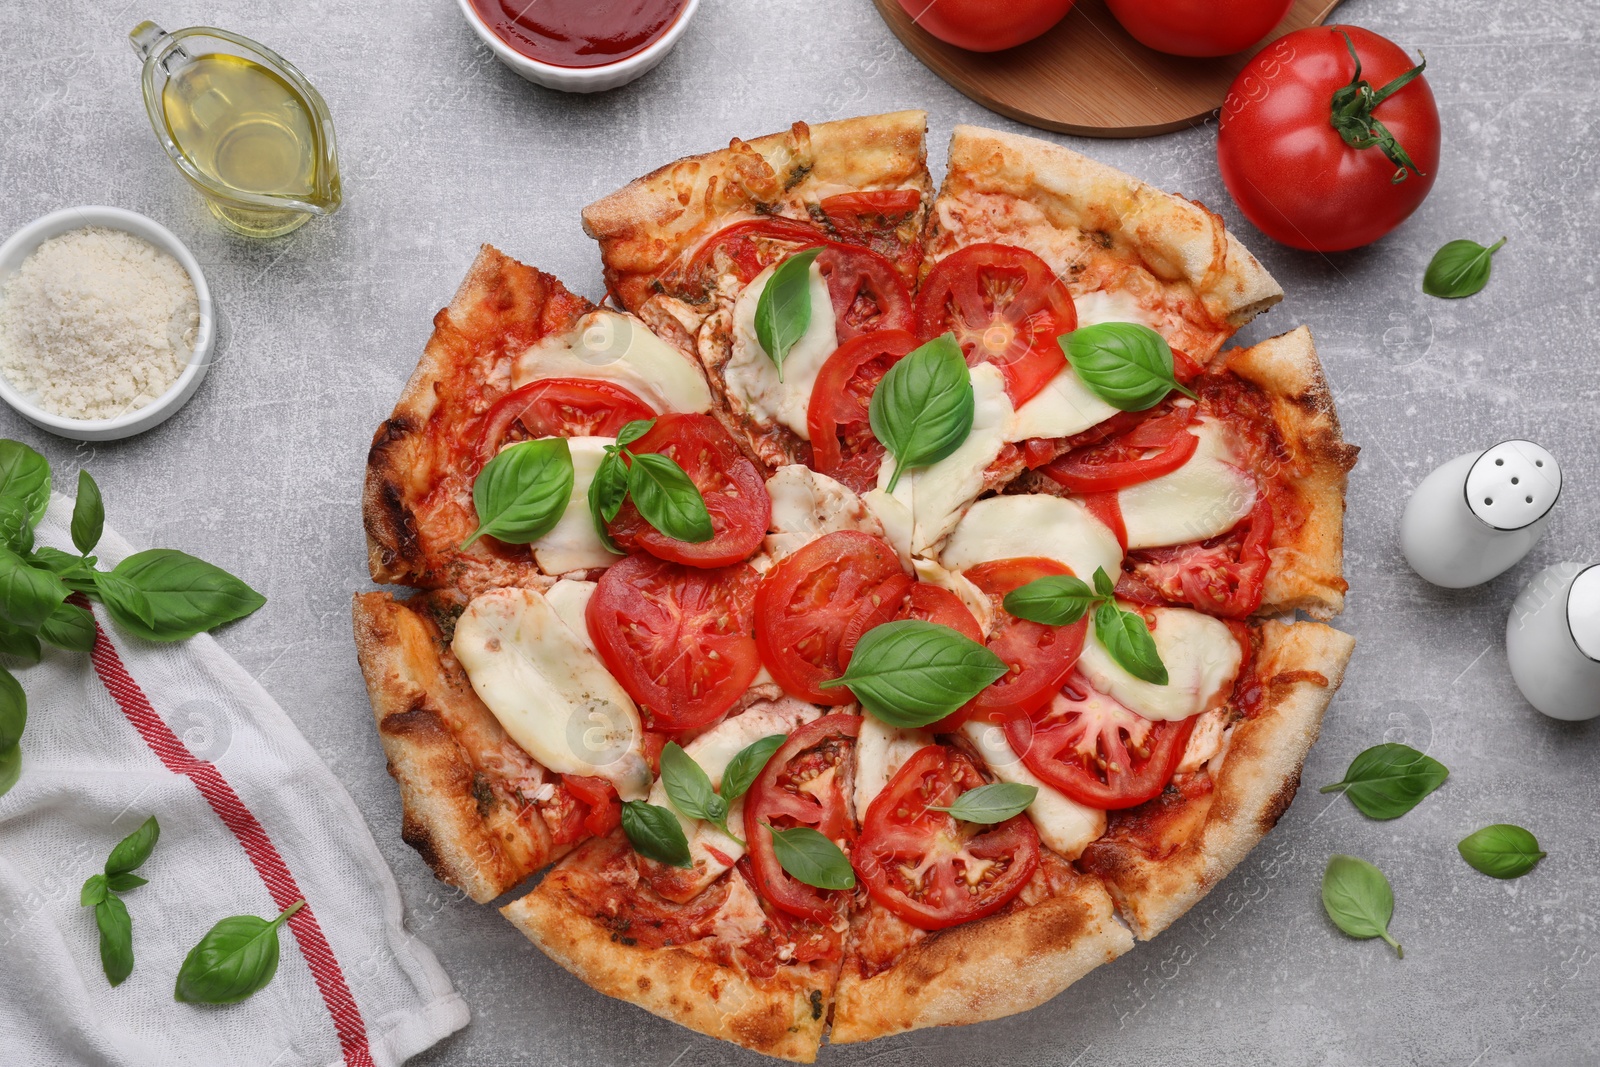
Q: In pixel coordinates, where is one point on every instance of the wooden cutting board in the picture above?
(1088, 76)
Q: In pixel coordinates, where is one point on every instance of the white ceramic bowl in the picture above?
(581, 79)
(22, 243)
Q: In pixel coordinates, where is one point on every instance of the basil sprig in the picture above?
(235, 959)
(910, 673)
(690, 789)
(989, 804)
(1357, 897)
(808, 856)
(665, 495)
(923, 408)
(1126, 364)
(522, 492)
(110, 914)
(1459, 269)
(1386, 781)
(655, 833)
(1501, 850)
(783, 312)
(1061, 600)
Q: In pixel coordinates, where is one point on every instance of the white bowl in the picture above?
(581, 79)
(22, 243)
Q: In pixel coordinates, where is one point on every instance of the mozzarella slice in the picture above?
(1064, 407)
(938, 494)
(549, 690)
(894, 515)
(750, 376)
(1008, 527)
(1205, 742)
(881, 750)
(709, 847)
(1063, 823)
(570, 599)
(1207, 496)
(975, 599)
(806, 505)
(1101, 306)
(1201, 655)
(573, 544)
(610, 346)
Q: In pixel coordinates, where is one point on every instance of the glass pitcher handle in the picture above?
(146, 38)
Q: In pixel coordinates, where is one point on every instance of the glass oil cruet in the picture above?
(243, 125)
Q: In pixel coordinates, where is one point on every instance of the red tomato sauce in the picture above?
(579, 33)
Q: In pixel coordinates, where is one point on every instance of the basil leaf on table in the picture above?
(811, 858)
(13, 710)
(134, 849)
(94, 890)
(69, 627)
(746, 767)
(667, 499)
(1126, 364)
(1501, 850)
(116, 938)
(1459, 269)
(910, 673)
(522, 492)
(121, 883)
(184, 595)
(923, 408)
(18, 642)
(24, 493)
(236, 958)
(1054, 600)
(1357, 897)
(655, 833)
(1386, 781)
(992, 803)
(1127, 640)
(10, 768)
(783, 311)
(689, 788)
(27, 595)
(606, 493)
(88, 514)
(65, 565)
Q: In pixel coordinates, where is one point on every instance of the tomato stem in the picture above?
(1353, 117)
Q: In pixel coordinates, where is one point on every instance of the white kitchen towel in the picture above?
(251, 820)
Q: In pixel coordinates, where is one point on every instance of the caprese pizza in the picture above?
(881, 616)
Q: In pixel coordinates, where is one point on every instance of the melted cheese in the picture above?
(881, 750)
(549, 690)
(573, 544)
(806, 505)
(1064, 407)
(609, 346)
(937, 495)
(1205, 742)
(1009, 527)
(1201, 655)
(751, 378)
(1063, 823)
(570, 599)
(1101, 306)
(1209, 495)
(974, 599)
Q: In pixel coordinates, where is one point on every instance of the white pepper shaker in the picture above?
(1480, 513)
(1553, 641)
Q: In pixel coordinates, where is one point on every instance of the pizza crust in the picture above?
(435, 732)
(1301, 665)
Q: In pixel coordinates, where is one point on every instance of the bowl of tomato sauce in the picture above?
(580, 46)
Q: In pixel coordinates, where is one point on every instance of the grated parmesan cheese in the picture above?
(96, 323)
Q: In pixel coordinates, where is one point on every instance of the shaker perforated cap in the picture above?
(1513, 485)
(1583, 612)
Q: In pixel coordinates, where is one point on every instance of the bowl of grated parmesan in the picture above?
(106, 323)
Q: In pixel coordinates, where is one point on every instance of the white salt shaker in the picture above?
(1553, 641)
(1480, 513)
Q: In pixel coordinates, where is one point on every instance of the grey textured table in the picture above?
(442, 148)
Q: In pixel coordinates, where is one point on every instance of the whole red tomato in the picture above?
(1329, 138)
(1199, 27)
(984, 25)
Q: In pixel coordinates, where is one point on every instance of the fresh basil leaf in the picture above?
(69, 627)
(1459, 269)
(121, 883)
(910, 673)
(24, 493)
(18, 642)
(1501, 850)
(743, 770)
(523, 491)
(13, 710)
(655, 833)
(63, 565)
(94, 890)
(123, 599)
(992, 803)
(10, 768)
(185, 595)
(632, 431)
(88, 514)
(27, 594)
(116, 939)
(606, 493)
(811, 858)
(1103, 586)
(1126, 364)
(1127, 640)
(1386, 781)
(923, 408)
(236, 958)
(667, 499)
(1054, 600)
(134, 849)
(1357, 897)
(688, 786)
(783, 311)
